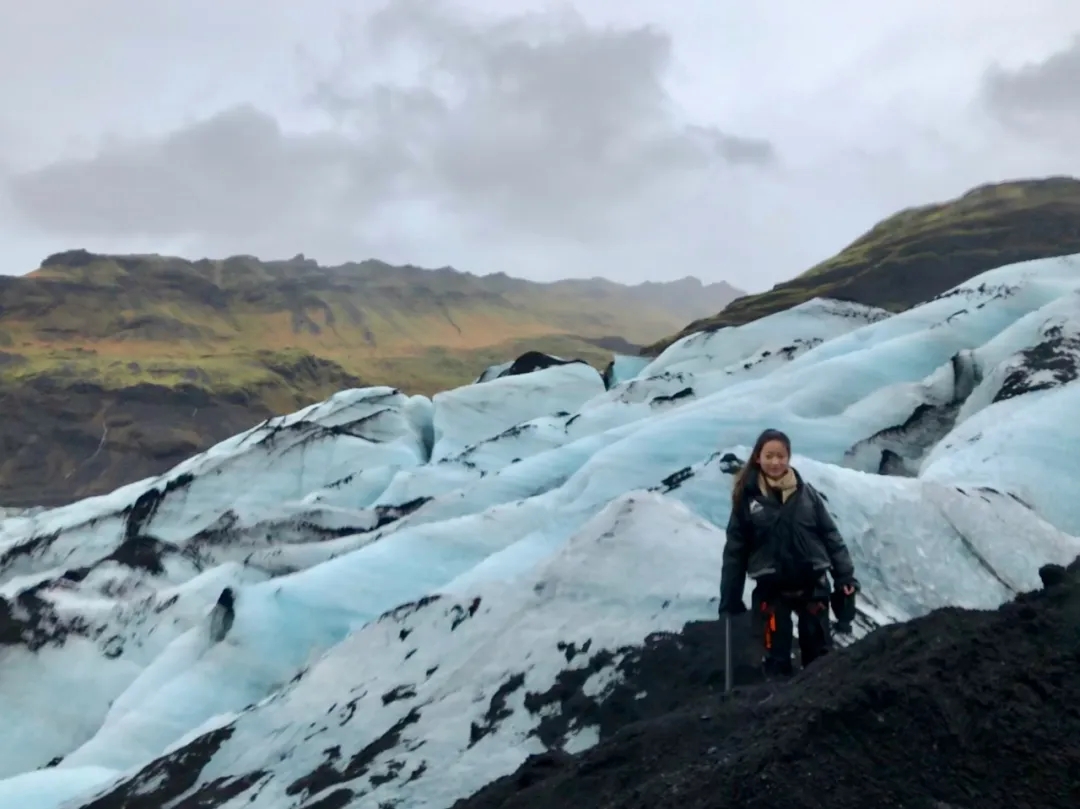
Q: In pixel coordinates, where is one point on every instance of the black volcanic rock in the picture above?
(527, 363)
(532, 361)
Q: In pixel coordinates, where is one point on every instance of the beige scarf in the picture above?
(786, 484)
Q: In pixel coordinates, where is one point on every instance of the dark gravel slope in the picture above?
(959, 709)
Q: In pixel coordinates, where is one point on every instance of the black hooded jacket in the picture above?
(791, 544)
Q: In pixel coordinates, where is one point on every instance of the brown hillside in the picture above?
(113, 368)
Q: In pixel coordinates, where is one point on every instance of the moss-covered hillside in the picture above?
(921, 252)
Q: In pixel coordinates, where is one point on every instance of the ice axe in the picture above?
(727, 653)
(843, 606)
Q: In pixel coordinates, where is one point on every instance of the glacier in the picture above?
(385, 599)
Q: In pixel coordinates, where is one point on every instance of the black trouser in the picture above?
(773, 608)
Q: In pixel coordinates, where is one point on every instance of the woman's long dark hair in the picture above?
(754, 463)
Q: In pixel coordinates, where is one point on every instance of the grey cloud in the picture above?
(737, 149)
(1040, 93)
(235, 173)
(534, 143)
(538, 123)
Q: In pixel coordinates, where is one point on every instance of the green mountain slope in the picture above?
(113, 368)
(921, 252)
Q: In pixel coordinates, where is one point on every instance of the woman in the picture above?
(781, 535)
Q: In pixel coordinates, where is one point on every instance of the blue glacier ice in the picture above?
(373, 569)
(45, 789)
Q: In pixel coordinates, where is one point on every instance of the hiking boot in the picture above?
(774, 669)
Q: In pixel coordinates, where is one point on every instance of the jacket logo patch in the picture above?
(755, 507)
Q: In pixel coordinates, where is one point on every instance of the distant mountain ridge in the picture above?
(113, 367)
(920, 252)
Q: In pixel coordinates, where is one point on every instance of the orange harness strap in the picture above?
(770, 624)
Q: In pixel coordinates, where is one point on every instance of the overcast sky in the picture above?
(634, 139)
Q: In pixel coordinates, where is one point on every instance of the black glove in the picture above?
(732, 608)
(850, 581)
